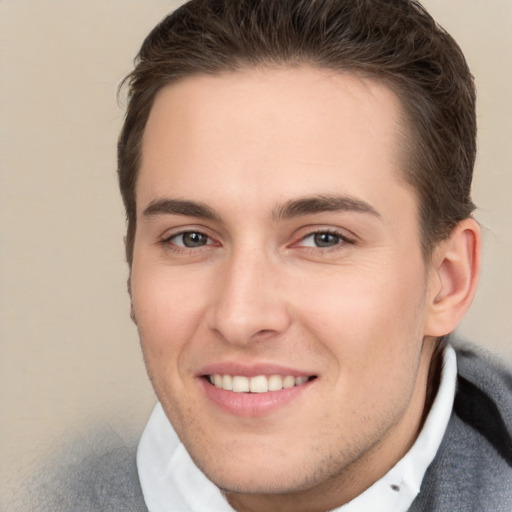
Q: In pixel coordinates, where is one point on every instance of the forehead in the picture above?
(270, 133)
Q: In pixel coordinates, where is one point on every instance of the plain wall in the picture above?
(69, 355)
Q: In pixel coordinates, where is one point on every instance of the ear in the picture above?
(453, 278)
(132, 314)
(132, 310)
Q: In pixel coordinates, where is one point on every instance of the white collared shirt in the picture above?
(171, 482)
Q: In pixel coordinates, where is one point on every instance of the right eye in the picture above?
(189, 239)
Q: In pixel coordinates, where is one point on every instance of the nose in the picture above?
(249, 304)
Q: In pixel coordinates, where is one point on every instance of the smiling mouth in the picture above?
(256, 384)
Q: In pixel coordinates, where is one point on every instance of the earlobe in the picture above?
(132, 309)
(454, 276)
(132, 314)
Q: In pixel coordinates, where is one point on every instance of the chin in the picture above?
(257, 482)
(264, 475)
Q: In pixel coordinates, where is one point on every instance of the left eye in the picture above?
(190, 239)
(322, 239)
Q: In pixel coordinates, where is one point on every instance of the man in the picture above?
(296, 176)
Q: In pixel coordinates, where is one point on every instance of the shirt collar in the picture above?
(171, 482)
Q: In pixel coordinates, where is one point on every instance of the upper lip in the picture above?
(251, 369)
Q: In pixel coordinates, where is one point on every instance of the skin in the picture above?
(356, 313)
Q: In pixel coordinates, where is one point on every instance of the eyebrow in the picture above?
(180, 207)
(321, 204)
(290, 209)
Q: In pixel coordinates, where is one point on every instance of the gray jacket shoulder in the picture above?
(472, 471)
(100, 477)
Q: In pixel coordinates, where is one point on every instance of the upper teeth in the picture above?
(258, 384)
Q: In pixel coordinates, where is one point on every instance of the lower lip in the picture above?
(252, 405)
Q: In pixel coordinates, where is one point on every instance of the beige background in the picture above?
(69, 356)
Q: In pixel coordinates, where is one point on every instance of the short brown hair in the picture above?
(395, 41)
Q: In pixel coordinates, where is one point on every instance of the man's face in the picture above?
(277, 245)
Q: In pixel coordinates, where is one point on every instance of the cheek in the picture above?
(373, 331)
(369, 320)
(168, 314)
(168, 311)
